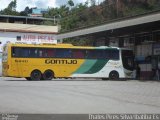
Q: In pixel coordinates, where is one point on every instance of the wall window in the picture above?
(18, 38)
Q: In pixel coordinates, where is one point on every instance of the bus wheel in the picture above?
(48, 75)
(36, 75)
(113, 75)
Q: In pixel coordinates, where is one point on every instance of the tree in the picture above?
(12, 5)
(25, 12)
(70, 3)
(11, 9)
(93, 2)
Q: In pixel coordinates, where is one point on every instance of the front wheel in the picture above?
(114, 75)
(36, 75)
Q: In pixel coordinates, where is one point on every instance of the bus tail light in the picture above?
(7, 66)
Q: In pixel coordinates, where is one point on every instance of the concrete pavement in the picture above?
(78, 96)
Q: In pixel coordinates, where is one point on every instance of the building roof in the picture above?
(14, 27)
(112, 25)
(26, 17)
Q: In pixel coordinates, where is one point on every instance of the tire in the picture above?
(113, 75)
(36, 75)
(48, 75)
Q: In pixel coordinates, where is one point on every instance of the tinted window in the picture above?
(78, 53)
(95, 54)
(46, 53)
(24, 52)
(112, 54)
(16, 52)
(88, 54)
(41, 52)
(65, 53)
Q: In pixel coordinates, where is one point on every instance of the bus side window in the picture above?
(78, 54)
(115, 55)
(88, 54)
(100, 54)
(13, 52)
(112, 54)
(63, 53)
(67, 53)
(24, 52)
(94, 54)
(44, 53)
(33, 53)
(16, 52)
(50, 53)
(40, 53)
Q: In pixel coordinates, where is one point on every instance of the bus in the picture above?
(48, 61)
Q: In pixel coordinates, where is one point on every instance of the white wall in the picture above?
(30, 38)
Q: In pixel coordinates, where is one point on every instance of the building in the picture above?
(140, 33)
(37, 12)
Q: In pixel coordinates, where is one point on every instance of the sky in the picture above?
(22, 4)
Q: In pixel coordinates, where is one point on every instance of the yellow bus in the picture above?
(45, 62)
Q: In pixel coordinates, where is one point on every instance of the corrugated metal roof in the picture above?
(14, 27)
(137, 20)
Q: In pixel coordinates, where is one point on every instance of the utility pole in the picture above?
(54, 20)
(117, 7)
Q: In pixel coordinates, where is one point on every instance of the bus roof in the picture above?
(60, 46)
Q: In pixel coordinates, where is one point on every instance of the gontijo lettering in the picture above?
(53, 61)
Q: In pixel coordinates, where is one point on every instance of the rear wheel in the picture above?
(114, 75)
(48, 75)
(36, 75)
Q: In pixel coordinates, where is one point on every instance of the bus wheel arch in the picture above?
(113, 75)
(48, 74)
(36, 75)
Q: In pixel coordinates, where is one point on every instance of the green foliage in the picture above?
(93, 2)
(71, 3)
(12, 5)
(25, 12)
(79, 42)
(7, 11)
(11, 9)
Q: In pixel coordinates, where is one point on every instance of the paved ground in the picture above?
(79, 96)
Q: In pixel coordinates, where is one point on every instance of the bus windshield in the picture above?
(128, 59)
